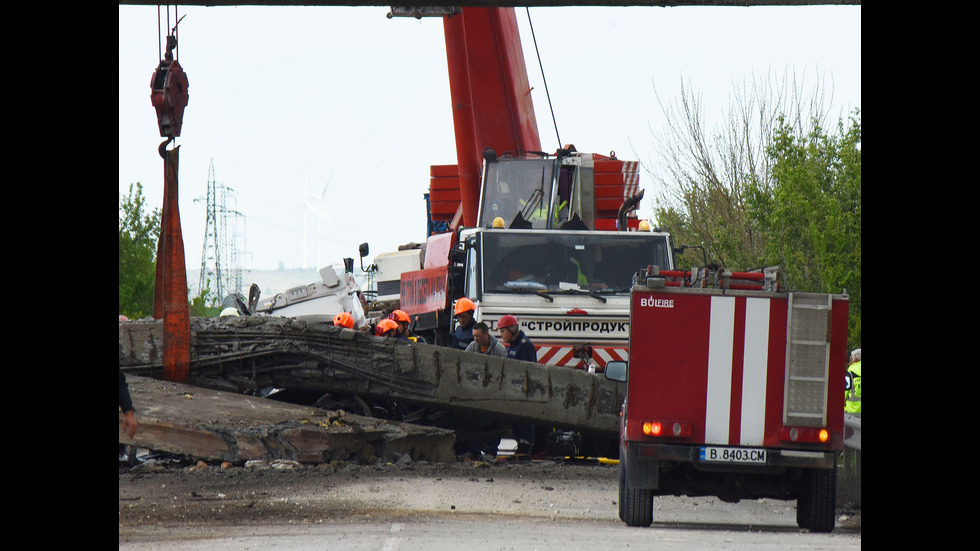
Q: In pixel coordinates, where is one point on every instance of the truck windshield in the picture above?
(557, 261)
(517, 186)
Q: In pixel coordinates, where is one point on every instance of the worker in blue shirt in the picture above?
(519, 347)
(463, 336)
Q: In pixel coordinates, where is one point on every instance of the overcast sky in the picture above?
(291, 103)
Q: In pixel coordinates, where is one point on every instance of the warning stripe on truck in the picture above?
(715, 361)
(731, 366)
(565, 355)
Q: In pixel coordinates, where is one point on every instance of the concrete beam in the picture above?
(223, 426)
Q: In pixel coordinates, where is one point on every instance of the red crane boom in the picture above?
(490, 93)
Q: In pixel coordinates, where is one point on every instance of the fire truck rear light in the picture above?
(804, 434)
(666, 428)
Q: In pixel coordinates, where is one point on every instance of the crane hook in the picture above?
(162, 149)
(168, 93)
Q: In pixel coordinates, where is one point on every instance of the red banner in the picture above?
(424, 291)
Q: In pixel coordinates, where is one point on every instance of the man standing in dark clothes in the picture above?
(519, 347)
(126, 406)
(463, 336)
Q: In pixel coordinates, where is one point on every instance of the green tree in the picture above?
(204, 305)
(770, 187)
(810, 210)
(138, 235)
(708, 173)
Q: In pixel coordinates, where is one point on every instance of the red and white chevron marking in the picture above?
(631, 178)
(565, 355)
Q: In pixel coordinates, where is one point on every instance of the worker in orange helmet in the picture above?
(387, 328)
(463, 336)
(344, 319)
(404, 326)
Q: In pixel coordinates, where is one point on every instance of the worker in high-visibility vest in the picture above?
(852, 392)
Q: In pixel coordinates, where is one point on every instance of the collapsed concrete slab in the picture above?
(224, 426)
(253, 352)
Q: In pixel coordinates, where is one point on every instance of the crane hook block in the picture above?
(168, 94)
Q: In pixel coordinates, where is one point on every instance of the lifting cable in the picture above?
(170, 31)
(535, 40)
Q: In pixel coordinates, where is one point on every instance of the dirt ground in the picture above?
(290, 492)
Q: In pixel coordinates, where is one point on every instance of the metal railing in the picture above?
(849, 467)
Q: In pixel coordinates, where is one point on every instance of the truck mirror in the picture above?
(616, 371)
(363, 249)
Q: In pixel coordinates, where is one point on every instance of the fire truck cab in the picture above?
(732, 392)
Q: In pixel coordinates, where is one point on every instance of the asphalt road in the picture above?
(473, 506)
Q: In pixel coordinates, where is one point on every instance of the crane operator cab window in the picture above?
(519, 191)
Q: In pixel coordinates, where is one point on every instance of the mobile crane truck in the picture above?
(734, 390)
(548, 237)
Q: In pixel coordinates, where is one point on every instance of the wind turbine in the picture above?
(306, 206)
(322, 210)
(312, 203)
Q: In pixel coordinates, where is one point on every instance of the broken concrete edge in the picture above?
(423, 374)
(216, 426)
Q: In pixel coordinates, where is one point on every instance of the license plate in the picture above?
(733, 455)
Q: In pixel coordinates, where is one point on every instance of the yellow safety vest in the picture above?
(852, 397)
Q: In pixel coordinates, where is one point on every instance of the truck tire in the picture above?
(635, 505)
(816, 506)
(622, 491)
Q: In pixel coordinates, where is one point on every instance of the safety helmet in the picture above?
(644, 225)
(507, 320)
(344, 319)
(400, 315)
(123, 318)
(464, 305)
(386, 325)
(230, 311)
(498, 222)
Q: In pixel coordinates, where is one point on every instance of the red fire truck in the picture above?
(734, 390)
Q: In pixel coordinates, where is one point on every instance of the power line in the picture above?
(220, 256)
